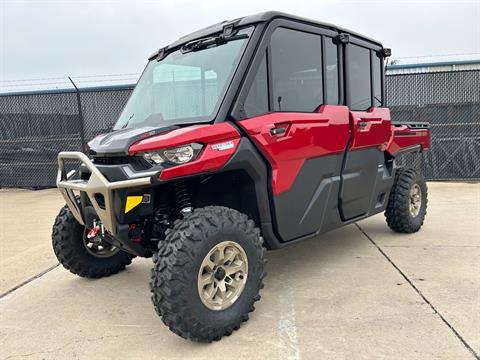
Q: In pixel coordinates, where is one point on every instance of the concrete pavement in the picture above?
(26, 219)
(360, 292)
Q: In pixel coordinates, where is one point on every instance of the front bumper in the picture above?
(97, 185)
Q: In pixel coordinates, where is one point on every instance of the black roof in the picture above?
(259, 18)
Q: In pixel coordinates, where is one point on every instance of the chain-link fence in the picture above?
(450, 102)
(35, 126)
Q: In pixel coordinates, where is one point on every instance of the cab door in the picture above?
(295, 121)
(370, 128)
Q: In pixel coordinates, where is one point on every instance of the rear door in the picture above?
(293, 117)
(370, 130)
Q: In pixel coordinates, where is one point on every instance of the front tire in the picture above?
(407, 203)
(208, 273)
(68, 245)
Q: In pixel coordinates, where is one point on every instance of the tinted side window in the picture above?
(358, 67)
(377, 80)
(256, 102)
(331, 70)
(296, 70)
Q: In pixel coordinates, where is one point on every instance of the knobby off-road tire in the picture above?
(409, 188)
(68, 245)
(175, 275)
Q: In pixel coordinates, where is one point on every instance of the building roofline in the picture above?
(432, 64)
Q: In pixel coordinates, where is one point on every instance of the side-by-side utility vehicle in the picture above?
(248, 135)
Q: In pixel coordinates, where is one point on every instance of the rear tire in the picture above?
(68, 245)
(178, 291)
(407, 203)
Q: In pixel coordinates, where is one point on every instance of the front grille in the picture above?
(111, 160)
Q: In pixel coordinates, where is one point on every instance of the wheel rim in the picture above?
(97, 247)
(415, 200)
(222, 275)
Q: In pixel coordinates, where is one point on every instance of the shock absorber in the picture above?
(182, 197)
(163, 211)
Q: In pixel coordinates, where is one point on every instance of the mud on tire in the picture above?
(176, 268)
(398, 212)
(67, 239)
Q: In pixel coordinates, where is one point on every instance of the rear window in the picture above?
(331, 70)
(377, 79)
(358, 67)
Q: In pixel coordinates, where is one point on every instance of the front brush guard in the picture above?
(96, 184)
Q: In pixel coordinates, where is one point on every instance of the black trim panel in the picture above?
(303, 208)
(358, 181)
(413, 148)
(247, 158)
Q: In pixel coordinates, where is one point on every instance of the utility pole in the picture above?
(80, 114)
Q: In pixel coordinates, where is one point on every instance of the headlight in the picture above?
(153, 157)
(178, 155)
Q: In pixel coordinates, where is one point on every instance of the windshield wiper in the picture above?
(204, 43)
(128, 120)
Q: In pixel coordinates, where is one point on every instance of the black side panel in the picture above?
(377, 200)
(248, 159)
(303, 209)
(383, 184)
(358, 181)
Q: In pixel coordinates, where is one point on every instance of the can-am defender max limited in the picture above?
(248, 135)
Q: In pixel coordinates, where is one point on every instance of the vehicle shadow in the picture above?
(333, 247)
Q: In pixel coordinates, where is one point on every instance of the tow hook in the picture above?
(97, 228)
(93, 232)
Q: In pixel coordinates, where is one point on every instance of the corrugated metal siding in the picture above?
(431, 68)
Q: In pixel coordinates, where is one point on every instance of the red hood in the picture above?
(204, 134)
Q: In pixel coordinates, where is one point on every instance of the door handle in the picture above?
(362, 124)
(278, 131)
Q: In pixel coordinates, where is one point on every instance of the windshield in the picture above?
(183, 88)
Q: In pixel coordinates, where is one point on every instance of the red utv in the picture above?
(248, 135)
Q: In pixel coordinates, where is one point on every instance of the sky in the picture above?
(50, 39)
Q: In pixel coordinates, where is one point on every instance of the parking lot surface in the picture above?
(360, 292)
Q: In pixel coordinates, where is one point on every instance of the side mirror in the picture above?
(386, 52)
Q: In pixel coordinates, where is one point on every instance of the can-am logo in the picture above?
(223, 146)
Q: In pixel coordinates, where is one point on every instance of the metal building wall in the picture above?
(433, 67)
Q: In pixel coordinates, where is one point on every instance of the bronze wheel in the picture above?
(222, 275)
(415, 200)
